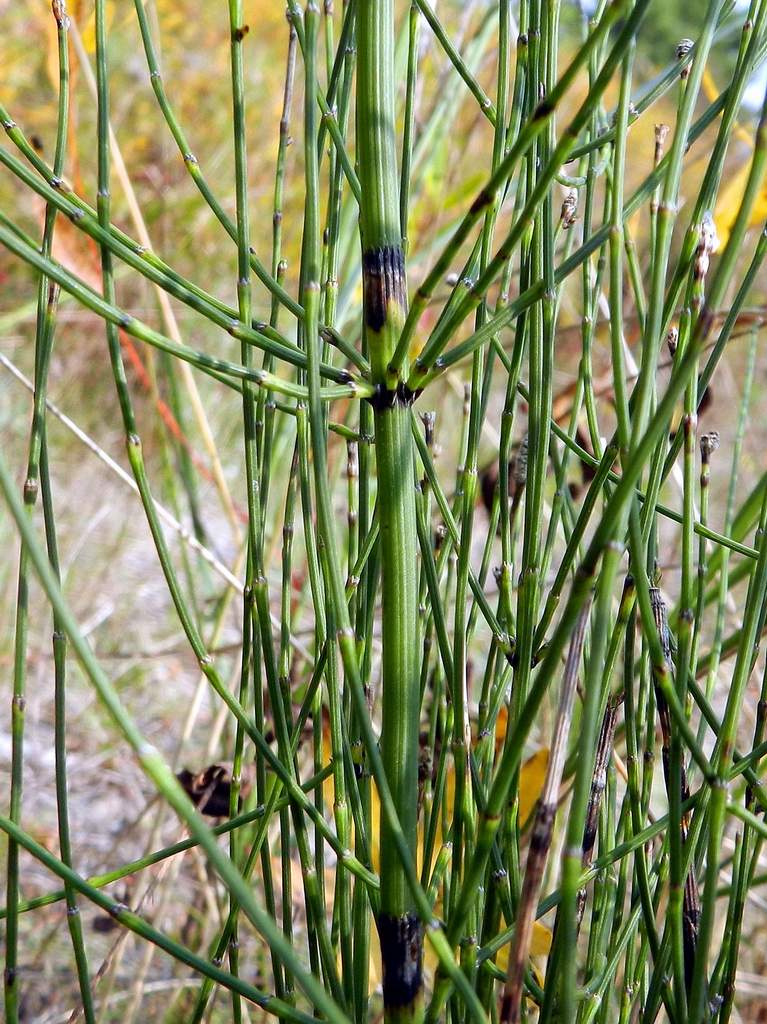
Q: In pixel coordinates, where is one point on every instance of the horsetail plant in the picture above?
(493, 557)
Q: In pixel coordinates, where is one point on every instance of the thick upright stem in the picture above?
(385, 304)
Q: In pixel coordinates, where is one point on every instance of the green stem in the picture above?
(385, 307)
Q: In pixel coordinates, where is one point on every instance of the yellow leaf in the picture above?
(531, 779)
(88, 30)
(540, 945)
(532, 775)
(729, 201)
(730, 198)
(712, 91)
